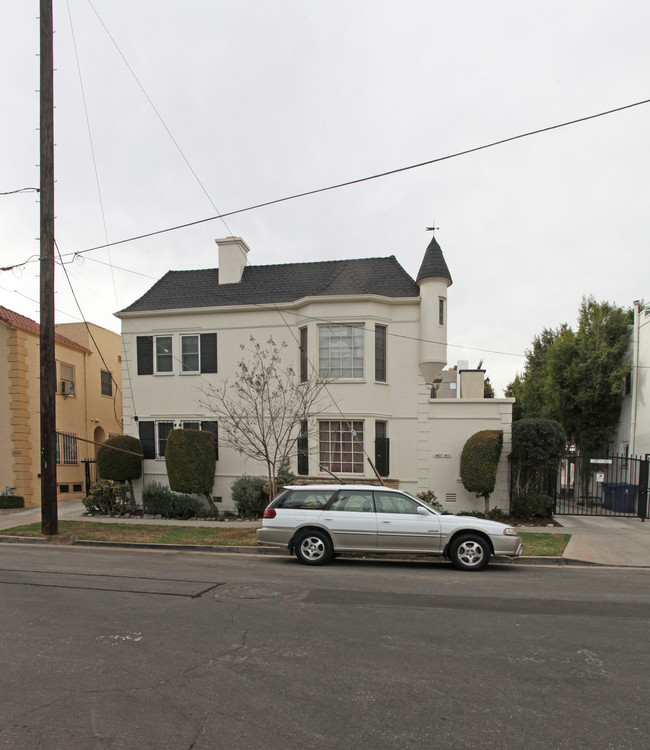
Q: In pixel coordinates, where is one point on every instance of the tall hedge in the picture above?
(538, 445)
(116, 465)
(191, 462)
(479, 461)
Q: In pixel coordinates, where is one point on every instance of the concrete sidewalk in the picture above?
(594, 539)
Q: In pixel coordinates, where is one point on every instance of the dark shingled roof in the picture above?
(278, 283)
(433, 264)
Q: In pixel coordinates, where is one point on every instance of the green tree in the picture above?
(190, 461)
(576, 378)
(479, 461)
(265, 408)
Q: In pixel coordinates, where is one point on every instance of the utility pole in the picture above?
(49, 510)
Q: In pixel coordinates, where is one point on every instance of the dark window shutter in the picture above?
(303, 450)
(304, 369)
(382, 456)
(145, 355)
(213, 428)
(147, 439)
(380, 353)
(208, 352)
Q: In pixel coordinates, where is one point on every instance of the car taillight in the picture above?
(269, 513)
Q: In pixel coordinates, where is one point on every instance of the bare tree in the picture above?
(264, 409)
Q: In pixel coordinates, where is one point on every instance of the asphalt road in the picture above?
(149, 649)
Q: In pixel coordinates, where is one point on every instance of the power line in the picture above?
(159, 116)
(21, 190)
(368, 178)
(344, 184)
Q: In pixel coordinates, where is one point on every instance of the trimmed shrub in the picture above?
(249, 496)
(11, 501)
(159, 500)
(479, 461)
(109, 498)
(191, 462)
(118, 466)
(532, 504)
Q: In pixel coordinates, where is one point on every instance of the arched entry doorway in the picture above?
(99, 436)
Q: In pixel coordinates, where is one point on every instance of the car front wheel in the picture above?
(313, 548)
(469, 552)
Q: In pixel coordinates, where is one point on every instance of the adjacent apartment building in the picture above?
(633, 435)
(88, 402)
(377, 334)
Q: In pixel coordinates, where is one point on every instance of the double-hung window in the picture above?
(341, 446)
(106, 383)
(164, 354)
(340, 351)
(162, 433)
(66, 376)
(155, 355)
(199, 352)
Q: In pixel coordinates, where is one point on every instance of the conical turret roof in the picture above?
(433, 263)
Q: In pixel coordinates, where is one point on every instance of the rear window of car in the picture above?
(304, 499)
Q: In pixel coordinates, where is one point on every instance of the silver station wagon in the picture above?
(316, 522)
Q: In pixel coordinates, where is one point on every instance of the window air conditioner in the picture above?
(67, 387)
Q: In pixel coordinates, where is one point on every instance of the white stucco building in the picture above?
(380, 335)
(633, 434)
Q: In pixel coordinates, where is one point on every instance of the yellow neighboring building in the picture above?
(88, 403)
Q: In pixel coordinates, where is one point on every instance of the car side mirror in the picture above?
(423, 511)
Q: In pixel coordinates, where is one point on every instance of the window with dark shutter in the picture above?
(145, 355)
(382, 449)
(208, 352)
(213, 428)
(380, 353)
(303, 451)
(304, 367)
(148, 439)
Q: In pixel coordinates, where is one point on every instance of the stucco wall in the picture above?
(450, 424)
(416, 424)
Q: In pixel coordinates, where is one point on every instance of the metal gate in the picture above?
(611, 486)
(90, 473)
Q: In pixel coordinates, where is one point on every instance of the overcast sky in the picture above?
(267, 99)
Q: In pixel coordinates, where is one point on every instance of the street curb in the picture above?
(22, 539)
(276, 551)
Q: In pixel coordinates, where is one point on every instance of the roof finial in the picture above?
(433, 227)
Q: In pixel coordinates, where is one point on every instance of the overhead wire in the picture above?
(158, 115)
(360, 180)
(118, 419)
(336, 186)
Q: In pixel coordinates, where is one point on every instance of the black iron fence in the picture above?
(610, 486)
(90, 473)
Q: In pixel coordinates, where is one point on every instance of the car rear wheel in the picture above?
(314, 548)
(469, 552)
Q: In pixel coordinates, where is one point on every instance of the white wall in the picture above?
(418, 427)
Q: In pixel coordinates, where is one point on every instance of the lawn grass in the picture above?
(535, 543)
(72, 531)
(541, 544)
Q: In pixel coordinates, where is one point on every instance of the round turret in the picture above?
(433, 279)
